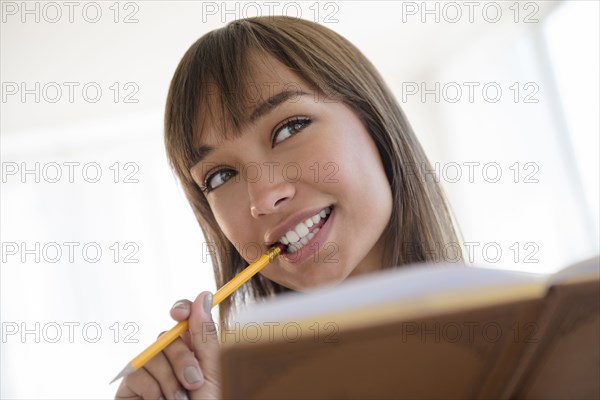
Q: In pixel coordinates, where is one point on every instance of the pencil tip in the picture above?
(126, 371)
(282, 247)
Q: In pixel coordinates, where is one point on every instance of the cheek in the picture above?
(231, 218)
(362, 179)
(351, 161)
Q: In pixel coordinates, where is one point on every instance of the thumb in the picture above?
(205, 342)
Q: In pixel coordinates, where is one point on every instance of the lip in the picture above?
(314, 245)
(280, 230)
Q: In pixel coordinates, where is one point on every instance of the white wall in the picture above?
(542, 212)
(555, 139)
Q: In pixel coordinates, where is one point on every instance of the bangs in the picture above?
(217, 85)
(222, 85)
(228, 94)
(209, 90)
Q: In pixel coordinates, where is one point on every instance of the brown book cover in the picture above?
(436, 332)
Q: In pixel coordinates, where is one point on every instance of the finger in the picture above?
(181, 310)
(138, 385)
(185, 365)
(161, 370)
(205, 342)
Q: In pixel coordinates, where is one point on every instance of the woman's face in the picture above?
(304, 172)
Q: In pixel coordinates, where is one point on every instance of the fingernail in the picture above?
(181, 304)
(208, 303)
(181, 395)
(192, 375)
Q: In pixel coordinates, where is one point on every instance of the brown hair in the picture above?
(217, 65)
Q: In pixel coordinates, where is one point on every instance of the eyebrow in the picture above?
(259, 111)
(273, 102)
(200, 154)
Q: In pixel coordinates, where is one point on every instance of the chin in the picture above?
(314, 279)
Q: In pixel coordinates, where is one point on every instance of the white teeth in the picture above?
(301, 229)
(292, 236)
(298, 237)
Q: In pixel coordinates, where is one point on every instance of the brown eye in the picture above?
(218, 178)
(290, 128)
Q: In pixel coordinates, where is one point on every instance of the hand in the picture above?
(189, 367)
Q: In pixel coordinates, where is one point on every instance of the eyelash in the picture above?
(206, 188)
(289, 123)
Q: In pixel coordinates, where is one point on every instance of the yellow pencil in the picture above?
(165, 339)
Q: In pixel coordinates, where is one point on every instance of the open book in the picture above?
(423, 332)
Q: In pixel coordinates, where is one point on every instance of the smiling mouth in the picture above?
(302, 233)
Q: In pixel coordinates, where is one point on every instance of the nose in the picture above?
(268, 194)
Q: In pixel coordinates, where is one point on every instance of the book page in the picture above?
(581, 271)
(417, 289)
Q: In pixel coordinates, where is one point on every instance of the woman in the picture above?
(281, 131)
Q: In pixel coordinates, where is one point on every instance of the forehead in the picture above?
(264, 78)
